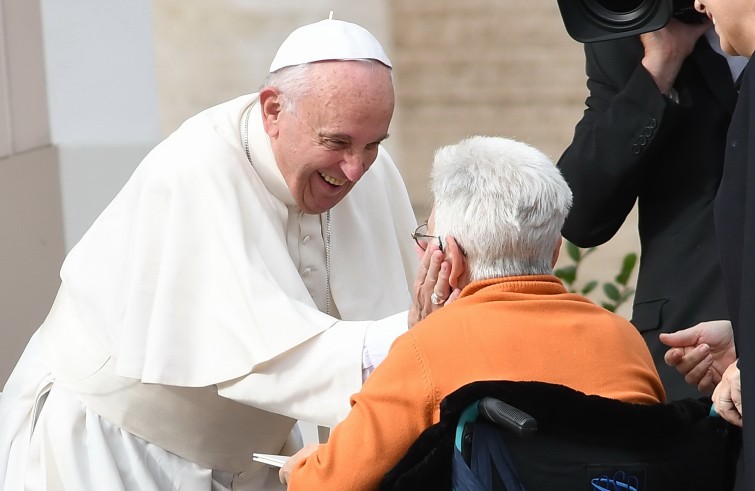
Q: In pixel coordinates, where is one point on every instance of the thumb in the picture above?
(684, 337)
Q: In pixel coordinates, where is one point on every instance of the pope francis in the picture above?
(253, 270)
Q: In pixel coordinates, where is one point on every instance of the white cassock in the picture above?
(190, 329)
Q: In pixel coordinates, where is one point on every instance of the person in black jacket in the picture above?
(735, 228)
(654, 133)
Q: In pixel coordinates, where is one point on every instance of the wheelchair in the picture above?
(535, 436)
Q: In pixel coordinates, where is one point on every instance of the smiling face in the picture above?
(331, 139)
(735, 23)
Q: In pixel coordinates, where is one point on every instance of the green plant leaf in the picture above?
(611, 291)
(574, 252)
(617, 292)
(627, 267)
(567, 274)
(589, 287)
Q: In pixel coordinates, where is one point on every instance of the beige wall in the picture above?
(483, 66)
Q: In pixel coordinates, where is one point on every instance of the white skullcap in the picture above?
(328, 39)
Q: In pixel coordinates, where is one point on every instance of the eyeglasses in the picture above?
(421, 237)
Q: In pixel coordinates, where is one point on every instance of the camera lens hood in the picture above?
(601, 20)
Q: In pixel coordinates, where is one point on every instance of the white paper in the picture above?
(270, 459)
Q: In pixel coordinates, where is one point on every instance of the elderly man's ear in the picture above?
(458, 277)
(556, 251)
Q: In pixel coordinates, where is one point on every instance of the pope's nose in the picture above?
(353, 166)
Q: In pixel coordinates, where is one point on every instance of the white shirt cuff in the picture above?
(379, 338)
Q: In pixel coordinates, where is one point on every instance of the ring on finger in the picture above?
(436, 299)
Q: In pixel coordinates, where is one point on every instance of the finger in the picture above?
(442, 288)
(413, 317)
(736, 399)
(421, 298)
(728, 411)
(673, 356)
(708, 383)
(694, 357)
(695, 375)
(428, 287)
(734, 418)
(419, 308)
(454, 295)
(419, 250)
(435, 259)
(424, 264)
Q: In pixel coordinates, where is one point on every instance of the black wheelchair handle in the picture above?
(506, 416)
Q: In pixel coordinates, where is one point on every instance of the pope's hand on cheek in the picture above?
(439, 279)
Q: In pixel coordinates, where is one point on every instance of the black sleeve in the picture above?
(612, 142)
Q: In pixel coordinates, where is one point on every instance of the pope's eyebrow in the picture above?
(380, 140)
(347, 138)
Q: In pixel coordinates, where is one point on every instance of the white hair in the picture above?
(295, 82)
(503, 201)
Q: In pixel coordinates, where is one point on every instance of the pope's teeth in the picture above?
(332, 180)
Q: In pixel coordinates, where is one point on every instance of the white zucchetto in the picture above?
(328, 39)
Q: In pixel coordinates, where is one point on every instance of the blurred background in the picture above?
(88, 87)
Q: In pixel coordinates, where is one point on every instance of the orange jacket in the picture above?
(517, 328)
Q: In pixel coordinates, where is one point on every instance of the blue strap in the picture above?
(489, 454)
(462, 477)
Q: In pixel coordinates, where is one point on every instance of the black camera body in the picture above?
(590, 21)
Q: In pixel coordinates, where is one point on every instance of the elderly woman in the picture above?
(498, 210)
